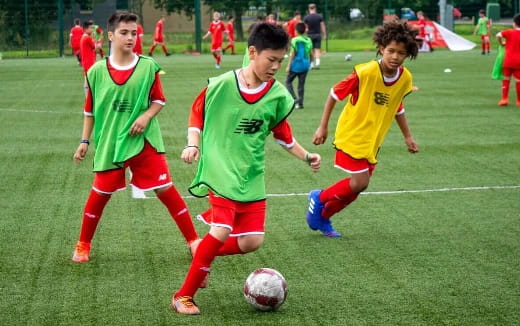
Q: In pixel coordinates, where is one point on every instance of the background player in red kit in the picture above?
(158, 37)
(230, 30)
(422, 30)
(138, 47)
(87, 46)
(290, 26)
(511, 66)
(216, 30)
(75, 35)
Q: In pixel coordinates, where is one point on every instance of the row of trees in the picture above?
(332, 9)
(14, 18)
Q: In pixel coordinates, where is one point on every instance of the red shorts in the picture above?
(351, 165)
(216, 46)
(508, 72)
(240, 218)
(75, 50)
(149, 170)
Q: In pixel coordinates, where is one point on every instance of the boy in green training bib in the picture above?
(123, 99)
(229, 123)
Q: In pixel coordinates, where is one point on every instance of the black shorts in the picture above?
(316, 40)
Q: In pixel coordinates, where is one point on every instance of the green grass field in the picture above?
(435, 240)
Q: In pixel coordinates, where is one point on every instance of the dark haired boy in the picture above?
(123, 99)
(229, 124)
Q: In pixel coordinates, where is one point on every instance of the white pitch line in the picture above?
(36, 111)
(393, 192)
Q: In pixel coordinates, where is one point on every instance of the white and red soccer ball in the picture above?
(265, 289)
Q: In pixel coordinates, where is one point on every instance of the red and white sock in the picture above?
(337, 197)
(179, 212)
(200, 266)
(505, 88)
(230, 247)
(94, 207)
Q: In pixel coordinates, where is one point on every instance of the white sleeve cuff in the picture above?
(334, 96)
(159, 102)
(284, 144)
(194, 129)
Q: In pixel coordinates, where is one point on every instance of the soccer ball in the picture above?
(348, 57)
(265, 289)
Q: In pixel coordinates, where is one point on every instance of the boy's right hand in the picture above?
(320, 136)
(190, 154)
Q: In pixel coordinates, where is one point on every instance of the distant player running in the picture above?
(75, 35)
(230, 30)
(216, 30)
(158, 37)
(98, 39)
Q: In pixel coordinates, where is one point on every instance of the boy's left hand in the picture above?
(314, 161)
(412, 145)
(139, 125)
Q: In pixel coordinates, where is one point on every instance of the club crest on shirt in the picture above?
(249, 126)
(381, 98)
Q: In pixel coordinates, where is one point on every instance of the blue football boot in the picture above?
(314, 210)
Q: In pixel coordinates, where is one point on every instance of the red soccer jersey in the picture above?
(512, 58)
(87, 52)
(291, 27)
(231, 31)
(120, 75)
(216, 28)
(422, 27)
(350, 86)
(75, 37)
(281, 132)
(138, 47)
(158, 36)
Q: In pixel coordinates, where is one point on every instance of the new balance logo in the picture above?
(247, 126)
(121, 106)
(381, 98)
(163, 177)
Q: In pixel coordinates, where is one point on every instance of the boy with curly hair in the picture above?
(376, 90)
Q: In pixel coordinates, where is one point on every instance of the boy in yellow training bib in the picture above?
(375, 90)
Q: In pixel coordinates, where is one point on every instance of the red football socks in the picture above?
(179, 212)
(96, 202)
(230, 247)
(337, 197)
(200, 266)
(505, 88)
(165, 50)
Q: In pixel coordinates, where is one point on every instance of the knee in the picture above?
(359, 185)
(250, 243)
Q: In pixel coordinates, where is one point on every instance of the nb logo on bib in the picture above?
(247, 126)
(381, 98)
(121, 106)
